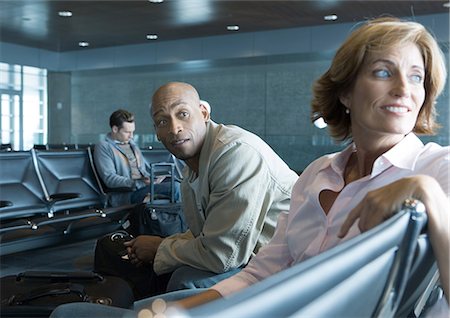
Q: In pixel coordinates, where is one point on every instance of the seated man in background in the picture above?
(233, 189)
(120, 163)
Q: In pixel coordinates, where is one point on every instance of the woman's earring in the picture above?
(347, 111)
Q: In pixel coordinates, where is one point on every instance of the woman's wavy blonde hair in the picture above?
(377, 35)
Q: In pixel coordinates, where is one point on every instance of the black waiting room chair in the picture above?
(365, 276)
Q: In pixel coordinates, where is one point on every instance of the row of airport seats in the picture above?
(62, 146)
(50, 197)
(389, 271)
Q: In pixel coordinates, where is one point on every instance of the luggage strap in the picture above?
(49, 290)
(59, 276)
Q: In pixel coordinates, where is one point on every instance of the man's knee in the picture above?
(181, 278)
(187, 277)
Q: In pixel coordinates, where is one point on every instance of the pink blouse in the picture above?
(307, 231)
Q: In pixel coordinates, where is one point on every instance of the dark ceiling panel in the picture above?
(105, 23)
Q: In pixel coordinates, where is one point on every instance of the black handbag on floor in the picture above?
(38, 293)
(111, 259)
(160, 217)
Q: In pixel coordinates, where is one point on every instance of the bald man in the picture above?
(233, 189)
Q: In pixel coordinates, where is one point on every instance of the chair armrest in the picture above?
(118, 189)
(63, 196)
(5, 203)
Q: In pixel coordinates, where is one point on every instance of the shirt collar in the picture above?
(117, 142)
(208, 142)
(403, 155)
(120, 142)
(339, 161)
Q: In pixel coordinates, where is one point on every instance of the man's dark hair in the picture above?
(119, 117)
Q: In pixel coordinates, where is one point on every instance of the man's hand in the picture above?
(143, 249)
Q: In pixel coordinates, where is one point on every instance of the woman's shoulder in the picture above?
(432, 150)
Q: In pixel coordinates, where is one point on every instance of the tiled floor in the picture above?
(72, 257)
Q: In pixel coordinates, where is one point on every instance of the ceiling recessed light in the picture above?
(65, 13)
(330, 17)
(233, 27)
(447, 4)
(83, 44)
(152, 37)
(156, 1)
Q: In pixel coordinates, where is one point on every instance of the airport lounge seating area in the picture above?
(50, 197)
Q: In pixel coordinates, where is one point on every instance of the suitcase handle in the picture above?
(170, 170)
(59, 276)
(49, 290)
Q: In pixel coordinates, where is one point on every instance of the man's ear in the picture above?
(115, 129)
(205, 112)
(156, 134)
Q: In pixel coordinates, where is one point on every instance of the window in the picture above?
(23, 109)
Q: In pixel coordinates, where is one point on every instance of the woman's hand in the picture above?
(382, 203)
